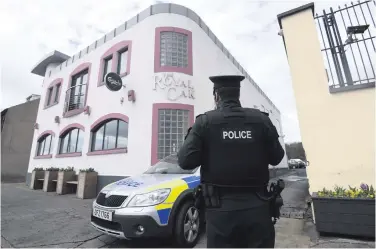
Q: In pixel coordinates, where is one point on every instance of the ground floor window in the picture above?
(172, 127)
(112, 134)
(44, 145)
(71, 141)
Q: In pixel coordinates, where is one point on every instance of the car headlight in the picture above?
(150, 199)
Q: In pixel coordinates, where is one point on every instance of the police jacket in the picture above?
(233, 146)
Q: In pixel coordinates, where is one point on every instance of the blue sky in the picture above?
(247, 28)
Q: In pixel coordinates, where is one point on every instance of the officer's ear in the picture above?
(216, 96)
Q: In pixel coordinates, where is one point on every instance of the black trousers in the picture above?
(250, 228)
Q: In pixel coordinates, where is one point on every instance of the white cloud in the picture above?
(30, 29)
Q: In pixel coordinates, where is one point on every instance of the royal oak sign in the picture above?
(174, 86)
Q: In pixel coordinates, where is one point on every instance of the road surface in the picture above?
(32, 218)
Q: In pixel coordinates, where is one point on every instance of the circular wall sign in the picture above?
(113, 82)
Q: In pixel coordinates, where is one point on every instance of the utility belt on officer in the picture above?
(209, 196)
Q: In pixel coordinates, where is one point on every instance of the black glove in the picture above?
(189, 129)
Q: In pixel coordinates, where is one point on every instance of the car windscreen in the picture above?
(168, 165)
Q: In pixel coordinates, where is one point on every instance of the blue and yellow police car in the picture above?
(157, 203)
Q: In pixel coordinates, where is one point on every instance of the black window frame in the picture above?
(74, 83)
(105, 65)
(57, 91)
(42, 142)
(98, 127)
(62, 137)
(49, 96)
(118, 66)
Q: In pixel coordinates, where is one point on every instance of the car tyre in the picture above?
(187, 225)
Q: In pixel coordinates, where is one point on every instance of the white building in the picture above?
(165, 55)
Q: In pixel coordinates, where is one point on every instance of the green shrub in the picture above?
(87, 170)
(52, 169)
(364, 191)
(67, 169)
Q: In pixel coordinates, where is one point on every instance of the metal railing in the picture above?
(348, 41)
(75, 97)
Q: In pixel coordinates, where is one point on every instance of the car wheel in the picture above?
(188, 225)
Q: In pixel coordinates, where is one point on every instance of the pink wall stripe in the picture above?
(154, 135)
(114, 52)
(157, 52)
(73, 154)
(68, 127)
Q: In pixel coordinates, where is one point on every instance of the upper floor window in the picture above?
(115, 59)
(76, 94)
(107, 66)
(71, 141)
(122, 61)
(112, 134)
(53, 93)
(44, 146)
(173, 50)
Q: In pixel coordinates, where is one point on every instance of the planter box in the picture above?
(50, 181)
(87, 185)
(62, 186)
(346, 216)
(36, 181)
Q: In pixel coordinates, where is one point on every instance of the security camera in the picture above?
(280, 32)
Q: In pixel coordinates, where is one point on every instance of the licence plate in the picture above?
(102, 214)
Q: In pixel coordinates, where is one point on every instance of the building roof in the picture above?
(160, 8)
(294, 11)
(53, 57)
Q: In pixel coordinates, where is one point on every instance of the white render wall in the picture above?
(208, 60)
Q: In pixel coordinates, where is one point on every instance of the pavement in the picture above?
(32, 218)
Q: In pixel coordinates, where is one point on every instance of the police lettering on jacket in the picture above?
(243, 134)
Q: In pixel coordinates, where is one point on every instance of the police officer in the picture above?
(234, 146)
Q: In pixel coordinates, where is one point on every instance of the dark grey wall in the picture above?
(16, 141)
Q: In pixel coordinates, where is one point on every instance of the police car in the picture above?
(157, 203)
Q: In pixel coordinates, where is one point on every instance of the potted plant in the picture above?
(37, 178)
(87, 183)
(345, 211)
(50, 179)
(64, 175)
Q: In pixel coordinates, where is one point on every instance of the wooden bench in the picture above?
(67, 183)
(50, 179)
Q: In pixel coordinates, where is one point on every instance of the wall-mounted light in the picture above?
(353, 30)
(57, 119)
(87, 110)
(131, 96)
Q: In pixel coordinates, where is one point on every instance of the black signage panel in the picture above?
(113, 82)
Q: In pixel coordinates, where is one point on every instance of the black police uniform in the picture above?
(234, 146)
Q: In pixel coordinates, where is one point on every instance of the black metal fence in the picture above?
(348, 44)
